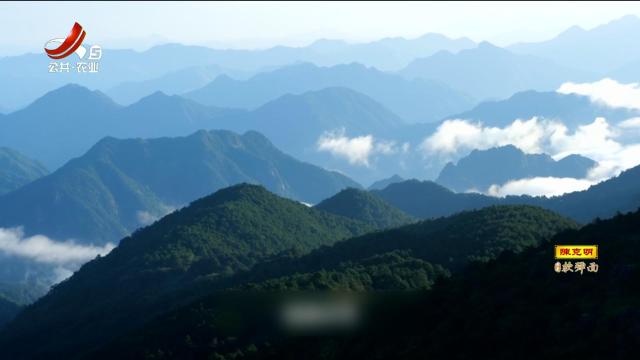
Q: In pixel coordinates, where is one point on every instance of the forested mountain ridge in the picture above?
(212, 238)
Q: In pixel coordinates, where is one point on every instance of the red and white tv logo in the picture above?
(60, 48)
(71, 44)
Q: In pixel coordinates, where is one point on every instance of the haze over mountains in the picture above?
(172, 83)
(175, 68)
(29, 73)
(426, 199)
(165, 252)
(601, 50)
(67, 121)
(489, 72)
(412, 100)
(120, 185)
(17, 170)
(140, 205)
(573, 110)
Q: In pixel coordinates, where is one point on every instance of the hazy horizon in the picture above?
(216, 24)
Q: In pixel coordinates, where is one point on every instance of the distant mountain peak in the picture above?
(381, 184)
(573, 30)
(496, 166)
(486, 47)
(629, 19)
(61, 97)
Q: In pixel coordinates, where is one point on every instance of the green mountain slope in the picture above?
(513, 307)
(17, 170)
(407, 258)
(210, 239)
(120, 185)
(452, 242)
(364, 206)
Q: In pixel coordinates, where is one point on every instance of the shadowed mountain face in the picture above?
(120, 185)
(412, 100)
(488, 72)
(8, 310)
(428, 199)
(17, 170)
(497, 166)
(152, 271)
(364, 206)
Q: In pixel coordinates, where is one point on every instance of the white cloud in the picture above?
(598, 140)
(356, 150)
(458, 135)
(41, 249)
(633, 123)
(146, 218)
(607, 92)
(540, 186)
(592, 140)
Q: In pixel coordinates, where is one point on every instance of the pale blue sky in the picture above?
(27, 26)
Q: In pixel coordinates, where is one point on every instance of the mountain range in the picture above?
(413, 100)
(600, 50)
(48, 131)
(517, 299)
(219, 238)
(489, 72)
(53, 131)
(120, 185)
(426, 199)
(481, 169)
(572, 110)
(29, 77)
(335, 115)
(172, 83)
(212, 238)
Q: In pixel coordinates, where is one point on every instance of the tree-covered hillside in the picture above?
(364, 206)
(516, 306)
(212, 238)
(412, 257)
